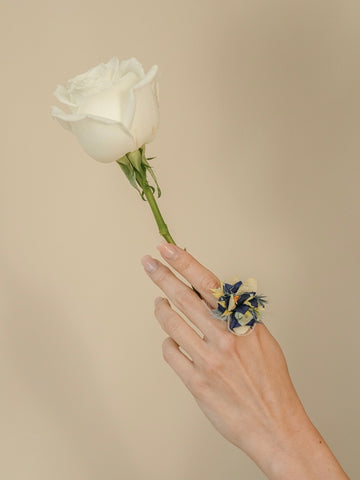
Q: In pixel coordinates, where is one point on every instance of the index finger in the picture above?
(195, 273)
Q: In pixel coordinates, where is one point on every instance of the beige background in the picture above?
(258, 158)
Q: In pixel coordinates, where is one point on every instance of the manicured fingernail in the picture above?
(158, 300)
(149, 263)
(167, 250)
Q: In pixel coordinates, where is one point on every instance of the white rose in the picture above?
(114, 108)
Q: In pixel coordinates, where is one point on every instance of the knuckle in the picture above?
(209, 282)
(159, 307)
(183, 298)
(226, 342)
(166, 350)
(171, 325)
(161, 274)
(185, 261)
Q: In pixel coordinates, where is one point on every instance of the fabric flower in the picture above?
(239, 305)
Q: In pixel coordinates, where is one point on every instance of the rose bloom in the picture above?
(114, 108)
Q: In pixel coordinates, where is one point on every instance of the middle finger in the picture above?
(175, 326)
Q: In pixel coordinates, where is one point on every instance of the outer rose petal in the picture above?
(130, 65)
(146, 119)
(113, 63)
(128, 106)
(65, 118)
(104, 140)
(62, 94)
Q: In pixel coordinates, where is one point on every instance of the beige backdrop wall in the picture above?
(258, 158)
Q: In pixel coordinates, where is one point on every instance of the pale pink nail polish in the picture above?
(168, 250)
(149, 263)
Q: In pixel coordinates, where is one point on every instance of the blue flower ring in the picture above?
(239, 305)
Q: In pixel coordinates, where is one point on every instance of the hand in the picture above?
(242, 384)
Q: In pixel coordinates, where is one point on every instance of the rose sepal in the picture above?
(135, 165)
(129, 171)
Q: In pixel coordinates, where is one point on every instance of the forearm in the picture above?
(299, 453)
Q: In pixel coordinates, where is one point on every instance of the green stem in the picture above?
(163, 229)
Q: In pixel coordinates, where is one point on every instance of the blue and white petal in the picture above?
(239, 305)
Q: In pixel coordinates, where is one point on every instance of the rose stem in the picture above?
(163, 229)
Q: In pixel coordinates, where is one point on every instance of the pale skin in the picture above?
(241, 383)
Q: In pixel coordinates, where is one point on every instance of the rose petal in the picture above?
(104, 140)
(131, 65)
(146, 118)
(113, 63)
(62, 94)
(128, 107)
(93, 81)
(65, 118)
(109, 103)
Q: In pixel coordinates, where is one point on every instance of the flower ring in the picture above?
(239, 305)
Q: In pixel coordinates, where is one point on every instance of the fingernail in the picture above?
(167, 250)
(149, 263)
(158, 300)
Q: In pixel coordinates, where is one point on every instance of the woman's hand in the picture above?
(242, 384)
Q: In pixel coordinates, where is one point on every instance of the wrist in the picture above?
(300, 453)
